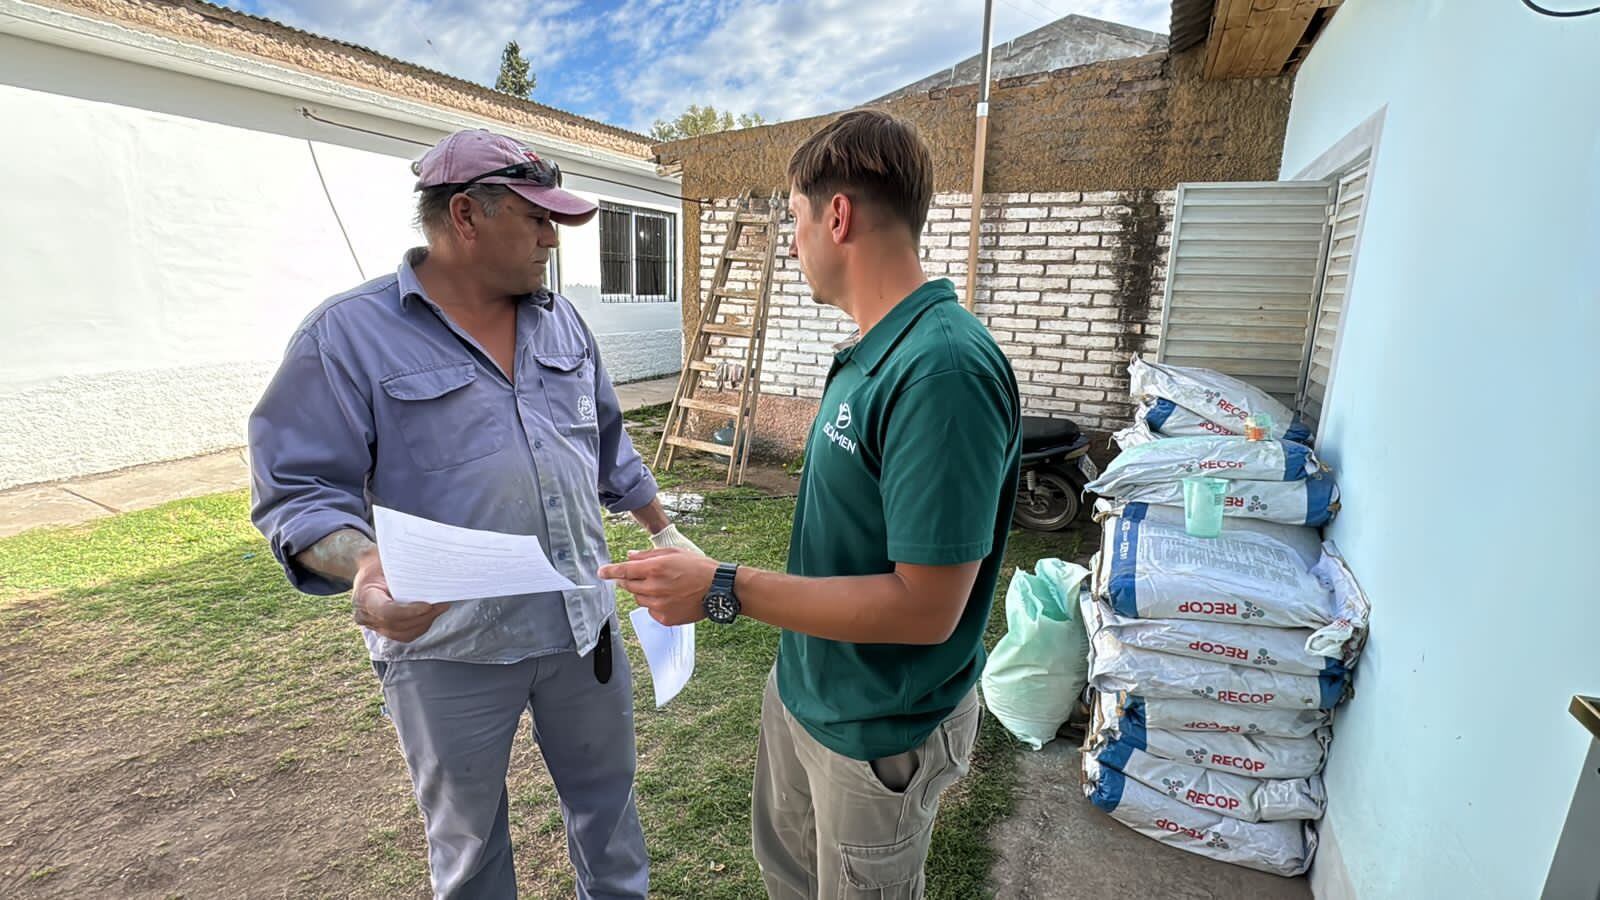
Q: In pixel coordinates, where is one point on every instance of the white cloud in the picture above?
(461, 37)
(792, 59)
(639, 60)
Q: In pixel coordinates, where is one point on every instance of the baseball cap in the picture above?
(479, 156)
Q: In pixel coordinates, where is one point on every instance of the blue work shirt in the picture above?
(382, 399)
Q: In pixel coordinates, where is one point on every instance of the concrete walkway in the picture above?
(93, 496)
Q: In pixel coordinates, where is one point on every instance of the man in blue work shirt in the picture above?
(462, 390)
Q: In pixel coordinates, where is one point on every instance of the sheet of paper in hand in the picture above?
(431, 562)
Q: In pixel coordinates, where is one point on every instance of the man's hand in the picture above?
(672, 537)
(670, 583)
(376, 608)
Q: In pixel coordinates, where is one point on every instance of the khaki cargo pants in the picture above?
(827, 826)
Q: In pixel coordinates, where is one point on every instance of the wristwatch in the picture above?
(721, 603)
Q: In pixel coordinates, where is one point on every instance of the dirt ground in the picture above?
(116, 782)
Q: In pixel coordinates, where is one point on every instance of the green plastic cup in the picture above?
(1202, 505)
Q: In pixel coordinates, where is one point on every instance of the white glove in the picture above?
(671, 537)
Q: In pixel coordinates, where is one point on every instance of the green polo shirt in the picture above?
(913, 458)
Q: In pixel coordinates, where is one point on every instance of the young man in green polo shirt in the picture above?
(899, 530)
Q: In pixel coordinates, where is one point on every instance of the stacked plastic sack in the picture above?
(1216, 662)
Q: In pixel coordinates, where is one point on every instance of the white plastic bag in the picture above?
(1206, 717)
(1035, 674)
(1312, 501)
(1282, 848)
(1307, 542)
(1242, 754)
(1252, 646)
(1114, 667)
(1235, 796)
(1213, 396)
(1170, 460)
(1167, 419)
(1147, 570)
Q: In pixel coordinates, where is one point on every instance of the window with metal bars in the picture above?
(638, 249)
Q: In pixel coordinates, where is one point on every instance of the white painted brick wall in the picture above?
(1051, 288)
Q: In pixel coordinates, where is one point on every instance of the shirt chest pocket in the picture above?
(567, 377)
(443, 417)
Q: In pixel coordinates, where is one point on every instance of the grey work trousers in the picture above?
(456, 722)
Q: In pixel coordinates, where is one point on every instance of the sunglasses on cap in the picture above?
(541, 173)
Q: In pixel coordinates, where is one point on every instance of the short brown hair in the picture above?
(868, 155)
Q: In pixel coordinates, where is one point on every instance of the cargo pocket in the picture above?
(888, 872)
(443, 421)
(568, 377)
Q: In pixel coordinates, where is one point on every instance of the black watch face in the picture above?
(721, 608)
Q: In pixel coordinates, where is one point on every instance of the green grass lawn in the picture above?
(179, 615)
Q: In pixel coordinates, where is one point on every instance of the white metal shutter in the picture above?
(1350, 201)
(1242, 279)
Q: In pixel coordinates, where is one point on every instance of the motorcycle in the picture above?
(1055, 468)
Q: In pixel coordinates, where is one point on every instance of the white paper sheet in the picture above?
(669, 652)
(430, 562)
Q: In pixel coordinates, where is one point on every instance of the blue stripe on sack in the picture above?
(1319, 496)
(1132, 727)
(1159, 413)
(1298, 432)
(1331, 666)
(1125, 563)
(1108, 792)
(1295, 457)
(1332, 690)
(1115, 754)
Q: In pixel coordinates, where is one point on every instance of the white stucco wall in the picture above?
(1461, 420)
(164, 233)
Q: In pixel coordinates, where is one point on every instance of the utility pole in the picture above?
(978, 152)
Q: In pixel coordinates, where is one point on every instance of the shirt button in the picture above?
(563, 555)
(555, 502)
(538, 444)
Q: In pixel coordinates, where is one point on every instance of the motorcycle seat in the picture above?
(1044, 433)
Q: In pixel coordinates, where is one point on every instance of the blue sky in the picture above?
(629, 62)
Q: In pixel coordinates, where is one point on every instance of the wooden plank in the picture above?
(1256, 38)
(727, 409)
(718, 328)
(706, 446)
(748, 296)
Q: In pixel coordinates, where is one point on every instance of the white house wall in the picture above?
(163, 236)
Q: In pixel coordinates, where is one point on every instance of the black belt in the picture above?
(602, 654)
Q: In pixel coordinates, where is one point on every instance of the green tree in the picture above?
(515, 79)
(698, 120)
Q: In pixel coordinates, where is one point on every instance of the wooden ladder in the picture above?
(748, 258)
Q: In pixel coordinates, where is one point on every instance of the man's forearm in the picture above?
(337, 556)
(652, 517)
(861, 609)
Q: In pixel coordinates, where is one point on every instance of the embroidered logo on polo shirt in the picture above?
(835, 429)
(586, 407)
